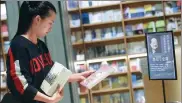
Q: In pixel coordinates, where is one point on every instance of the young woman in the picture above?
(28, 60)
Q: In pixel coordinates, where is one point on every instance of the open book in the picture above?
(104, 71)
(57, 76)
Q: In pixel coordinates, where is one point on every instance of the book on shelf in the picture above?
(79, 68)
(120, 66)
(94, 66)
(3, 11)
(2, 65)
(3, 81)
(135, 65)
(74, 20)
(84, 100)
(97, 99)
(55, 78)
(137, 80)
(139, 96)
(123, 81)
(172, 7)
(125, 97)
(106, 84)
(105, 98)
(117, 15)
(86, 18)
(84, 4)
(97, 87)
(115, 98)
(72, 4)
(136, 47)
(115, 82)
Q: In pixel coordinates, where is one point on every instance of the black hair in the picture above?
(29, 10)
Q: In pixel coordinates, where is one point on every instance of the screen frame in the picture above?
(175, 69)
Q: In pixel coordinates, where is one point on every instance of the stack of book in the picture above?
(143, 11)
(136, 47)
(103, 34)
(102, 16)
(172, 7)
(108, 50)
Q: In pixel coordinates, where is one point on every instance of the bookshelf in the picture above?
(127, 40)
(4, 43)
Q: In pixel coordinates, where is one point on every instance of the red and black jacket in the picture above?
(27, 66)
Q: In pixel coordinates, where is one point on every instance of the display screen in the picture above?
(161, 56)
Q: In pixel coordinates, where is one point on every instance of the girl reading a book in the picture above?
(29, 60)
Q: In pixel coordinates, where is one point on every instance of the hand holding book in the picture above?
(58, 95)
(78, 77)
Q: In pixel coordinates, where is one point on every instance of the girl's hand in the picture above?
(78, 77)
(57, 96)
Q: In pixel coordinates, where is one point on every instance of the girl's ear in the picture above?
(37, 19)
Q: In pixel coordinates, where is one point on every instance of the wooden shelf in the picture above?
(140, 87)
(135, 38)
(83, 94)
(104, 42)
(107, 58)
(118, 74)
(4, 54)
(78, 45)
(79, 62)
(75, 29)
(177, 33)
(100, 8)
(172, 15)
(136, 72)
(137, 55)
(102, 25)
(110, 91)
(76, 10)
(141, 19)
(3, 89)
(131, 2)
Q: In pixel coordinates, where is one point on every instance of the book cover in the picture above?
(106, 84)
(95, 88)
(72, 4)
(105, 99)
(97, 99)
(74, 20)
(104, 71)
(117, 15)
(125, 97)
(137, 80)
(115, 82)
(115, 98)
(139, 96)
(122, 67)
(123, 81)
(83, 100)
(96, 17)
(55, 78)
(114, 64)
(85, 18)
(2, 64)
(84, 4)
